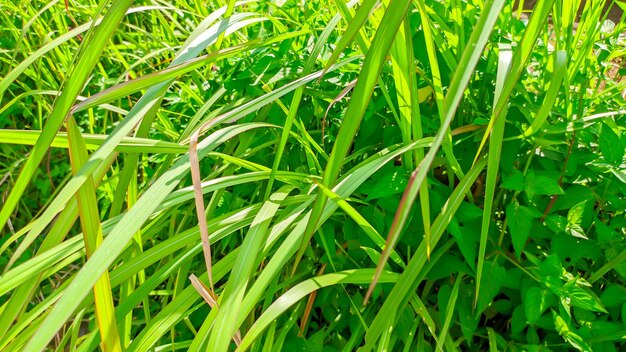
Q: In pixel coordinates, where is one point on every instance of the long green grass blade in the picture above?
(406, 282)
(495, 150)
(468, 61)
(364, 88)
(72, 88)
(92, 233)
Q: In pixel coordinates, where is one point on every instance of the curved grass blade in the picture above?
(518, 65)
(354, 26)
(83, 67)
(348, 184)
(461, 77)
(407, 282)
(450, 312)
(234, 290)
(560, 71)
(123, 232)
(364, 89)
(495, 149)
(92, 233)
(168, 74)
(93, 142)
(23, 65)
(369, 230)
(303, 289)
(403, 64)
(296, 99)
(203, 36)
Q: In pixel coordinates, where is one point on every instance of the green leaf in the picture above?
(514, 181)
(490, 285)
(582, 298)
(611, 146)
(388, 183)
(568, 335)
(520, 221)
(575, 214)
(467, 319)
(535, 303)
(613, 296)
(541, 185)
(576, 231)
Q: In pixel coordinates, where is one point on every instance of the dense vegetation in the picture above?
(397, 175)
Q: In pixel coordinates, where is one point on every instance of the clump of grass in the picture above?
(245, 176)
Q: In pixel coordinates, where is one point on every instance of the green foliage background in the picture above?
(463, 162)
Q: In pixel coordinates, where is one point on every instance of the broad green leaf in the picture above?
(535, 303)
(490, 285)
(582, 298)
(519, 221)
(568, 335)
(541, 185)
(611, 146)
(513, 182)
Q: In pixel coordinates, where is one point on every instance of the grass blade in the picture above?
(364, 88)
(407, 281)
(303, 289)
(73, 86)
(495, 150)
(470, 57)
(92, 232)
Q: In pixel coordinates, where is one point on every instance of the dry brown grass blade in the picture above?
(200, 211)
(206, 293)
(209, 297)
(309, 306)
(389, 243)
(341, 95)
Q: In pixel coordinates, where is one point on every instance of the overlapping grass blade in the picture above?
(403, 64)
(235, 288)
(364, 88)
(94, 141)
(518, 63)
(23, 65)
(92, 233)
(291, 297)
(76, 81)
(406, 282)
(468, 61)
(560, 70)
(495, 149)
(124, 230)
